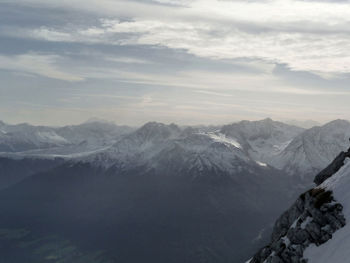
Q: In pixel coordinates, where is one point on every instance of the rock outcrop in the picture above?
(313, 218)
(332, 168)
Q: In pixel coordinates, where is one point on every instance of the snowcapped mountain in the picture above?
(315, 228)
(262, 140)
(295, 151)
(235, 147)
(308, 152)
(41, 140)
(24, 137)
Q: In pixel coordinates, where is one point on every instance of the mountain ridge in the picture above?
(313, 220)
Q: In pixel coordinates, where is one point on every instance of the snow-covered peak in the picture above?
(261, 139)
(310, 151)
(41, 140)
(157, 131)
(159, 146)
(261, 130)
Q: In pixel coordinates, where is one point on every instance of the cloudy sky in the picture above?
(182, 61)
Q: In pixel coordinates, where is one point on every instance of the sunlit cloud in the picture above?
(305, 35)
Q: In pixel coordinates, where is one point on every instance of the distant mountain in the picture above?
(22, 137)
(295, 151)
(306, 124)
(35, 140)
(310, 151)
(229, 149)
(262, 140)
(160, 146)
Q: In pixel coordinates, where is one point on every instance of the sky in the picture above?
(188, 62)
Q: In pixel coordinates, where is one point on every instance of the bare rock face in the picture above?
(312, 219)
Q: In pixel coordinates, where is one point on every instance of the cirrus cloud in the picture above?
(44, 65)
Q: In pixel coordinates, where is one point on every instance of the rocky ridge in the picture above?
(312, 219)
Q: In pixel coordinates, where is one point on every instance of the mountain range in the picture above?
(31, 140)
(168, 192)
(295, 151)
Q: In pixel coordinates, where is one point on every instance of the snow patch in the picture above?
(219, 137)
(306, 222)
(261, 164)
(51, 137)
(295, 223)
(286, 241)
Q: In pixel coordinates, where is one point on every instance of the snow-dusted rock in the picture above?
(335, 250)
(312, 219)
(315, 226)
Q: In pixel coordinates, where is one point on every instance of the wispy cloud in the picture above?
(211, 82)
(305, 35)
(37, 64)
(128, 60)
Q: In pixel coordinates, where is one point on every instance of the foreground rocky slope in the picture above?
(313, 220)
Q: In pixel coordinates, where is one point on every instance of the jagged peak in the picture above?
(266, 121)
(158, 125)
(157, 130)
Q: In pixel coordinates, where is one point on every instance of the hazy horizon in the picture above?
(300, 123)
